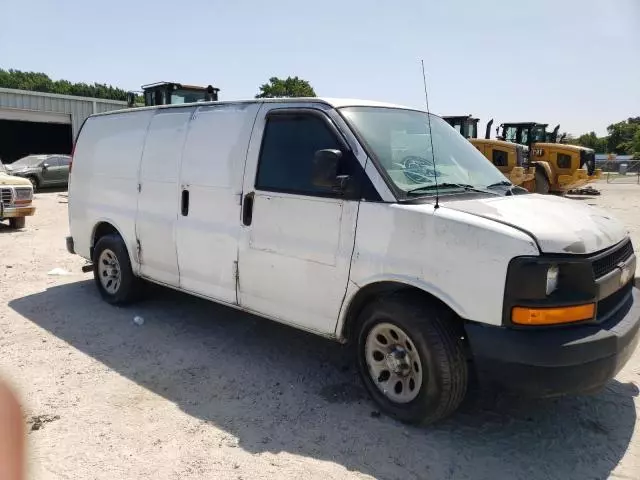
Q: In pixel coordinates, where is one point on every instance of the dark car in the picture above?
(42, 170)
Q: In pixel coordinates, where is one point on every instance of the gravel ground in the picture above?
(202, 391)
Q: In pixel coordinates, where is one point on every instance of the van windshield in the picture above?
(401, 143)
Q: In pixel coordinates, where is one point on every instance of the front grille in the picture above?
(6, 196)
(610, 261)
(613, 302)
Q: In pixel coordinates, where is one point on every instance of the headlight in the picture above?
(23, 194)
(552, 279)
(536, 294)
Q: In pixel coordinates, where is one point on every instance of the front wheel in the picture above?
(112, 271)
(411, 358)
(17, 222)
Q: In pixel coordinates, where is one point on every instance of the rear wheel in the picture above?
(17, 222)
(411, 358)
(542, 182)
(112, 271)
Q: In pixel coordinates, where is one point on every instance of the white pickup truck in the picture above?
(366, 223)
(16, 197)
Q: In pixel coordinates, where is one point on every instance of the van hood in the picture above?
(559, 225)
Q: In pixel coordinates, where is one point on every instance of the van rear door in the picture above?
(210, 192)
(159, 195)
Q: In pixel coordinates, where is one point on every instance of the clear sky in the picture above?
(573, 62)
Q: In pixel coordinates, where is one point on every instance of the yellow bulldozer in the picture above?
(511, 159)
(171, 93)
(559, 168)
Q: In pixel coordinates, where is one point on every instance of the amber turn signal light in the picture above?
(552, 316)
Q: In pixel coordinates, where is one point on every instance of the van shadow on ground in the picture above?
(277, 389)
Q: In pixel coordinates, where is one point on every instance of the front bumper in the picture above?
(578, 179)
(556, 361)
(13, 212)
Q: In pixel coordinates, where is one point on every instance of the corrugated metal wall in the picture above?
(78, 107)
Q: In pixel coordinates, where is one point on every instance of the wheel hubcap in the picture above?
(393, 362)
(109, 271)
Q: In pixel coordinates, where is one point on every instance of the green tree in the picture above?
(289, 87)
(622, 136)
(591, 140)
(40, 82)
(635, 144)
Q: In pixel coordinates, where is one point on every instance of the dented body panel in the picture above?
(457, 257)
(558, 225)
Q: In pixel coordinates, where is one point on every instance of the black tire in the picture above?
(34, 183)
(17, 222)
(129, 287)
(438, 340)
(542, 182)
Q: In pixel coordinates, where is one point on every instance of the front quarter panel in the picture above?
(459, 258)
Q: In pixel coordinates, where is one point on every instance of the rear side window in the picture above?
(564, 160)
(286, 158)
(64, 161)
(499, 158)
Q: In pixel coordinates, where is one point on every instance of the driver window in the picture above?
(525, 137)
(286, 157)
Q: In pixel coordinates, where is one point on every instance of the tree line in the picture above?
(623, 138)
(41, 82)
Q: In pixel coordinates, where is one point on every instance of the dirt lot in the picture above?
(202, 391)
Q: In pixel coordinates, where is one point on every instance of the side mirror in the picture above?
(45, 166)
(325, 169)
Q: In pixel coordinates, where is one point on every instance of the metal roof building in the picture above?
(36, 122)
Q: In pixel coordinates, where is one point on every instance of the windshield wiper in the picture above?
(464, 186)
(503, 183)
(511, 188)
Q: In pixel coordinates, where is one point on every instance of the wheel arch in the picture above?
(545, 167)
(106, 227)
(32, 177)
(361, 296)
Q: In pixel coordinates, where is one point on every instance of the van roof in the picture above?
(333, 102)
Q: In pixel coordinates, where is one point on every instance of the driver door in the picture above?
(297, 238)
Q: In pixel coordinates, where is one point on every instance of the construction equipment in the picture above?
(510, 159)
(170, 93)
(559, 167)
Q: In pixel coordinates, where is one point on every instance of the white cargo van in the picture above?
(362, 222)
